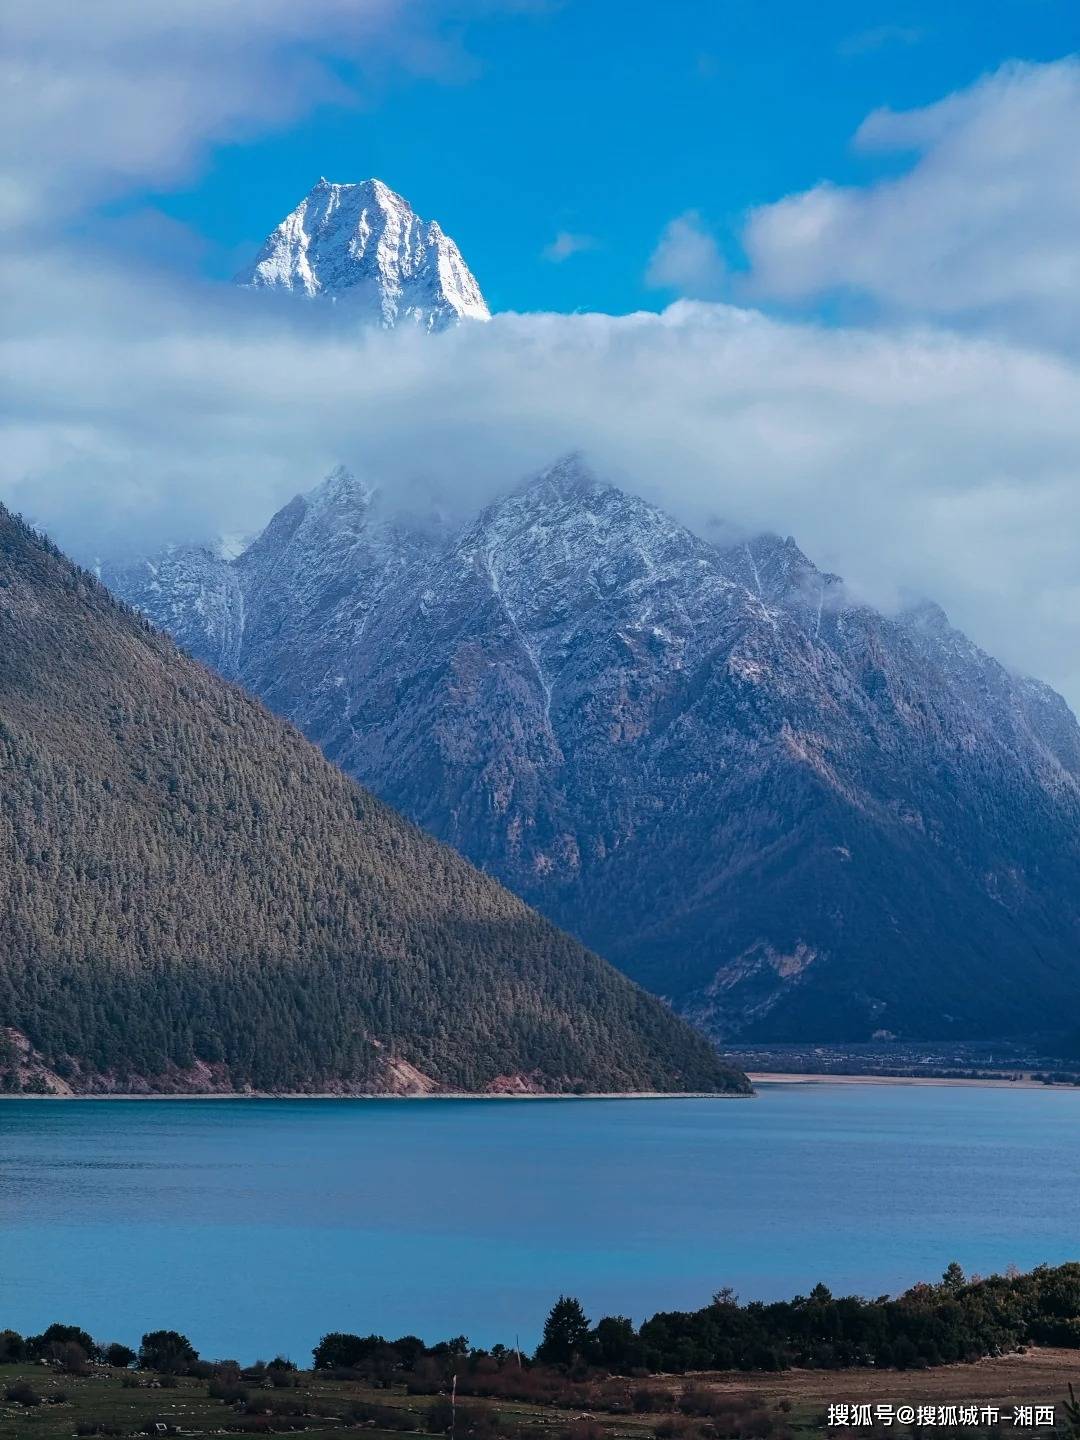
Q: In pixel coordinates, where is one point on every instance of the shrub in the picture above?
(12, 1347)
(476, 1420)
(439, 1417)
(22, 1394)
(285, 1405)
(647, 1401)
(120, 1357)
(69, 1357)
(167, 1352)
(703, 1403)
(228, 1391)
(584, 1429)
(41, 1346)
(479, 1421)
(264, 1424)
(676, 1427)
(386, 1417)
(338, 1350)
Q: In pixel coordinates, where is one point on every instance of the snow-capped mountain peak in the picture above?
(341, 490)
(569, 476)
(365, 245)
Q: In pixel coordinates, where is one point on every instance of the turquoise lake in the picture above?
(255, 1226)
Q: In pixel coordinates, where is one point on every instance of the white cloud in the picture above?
(981, 229)
(916, 461)
(566, 243)
(687, 259)
(102, 96)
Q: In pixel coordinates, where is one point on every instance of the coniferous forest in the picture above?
(195, 899)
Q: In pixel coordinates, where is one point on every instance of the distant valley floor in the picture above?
(999, 1063)
(991, 1082)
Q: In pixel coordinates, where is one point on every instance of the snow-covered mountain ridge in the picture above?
(363, 245)
(791, 815)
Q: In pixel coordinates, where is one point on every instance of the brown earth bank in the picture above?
(31, 1078)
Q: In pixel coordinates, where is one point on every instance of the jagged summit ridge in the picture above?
(364, 244)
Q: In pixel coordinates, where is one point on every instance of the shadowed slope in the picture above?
(195, 898)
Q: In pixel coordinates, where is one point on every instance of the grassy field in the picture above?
(791, 1404)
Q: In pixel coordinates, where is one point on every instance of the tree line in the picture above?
(956, 1319)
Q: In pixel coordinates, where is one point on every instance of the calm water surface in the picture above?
(255, 1226)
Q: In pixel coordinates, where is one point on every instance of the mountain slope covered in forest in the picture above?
(194, 898)
(793, 816)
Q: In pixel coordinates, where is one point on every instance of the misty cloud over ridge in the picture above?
(913, 461)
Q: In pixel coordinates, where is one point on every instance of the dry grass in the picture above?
(795, 1397)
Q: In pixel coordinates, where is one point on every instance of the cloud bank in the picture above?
(908, 461)
(906, 455)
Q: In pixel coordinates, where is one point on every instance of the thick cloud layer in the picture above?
(908, 461)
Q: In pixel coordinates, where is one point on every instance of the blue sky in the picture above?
(606, 120)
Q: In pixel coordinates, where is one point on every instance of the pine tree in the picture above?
(566, 1332)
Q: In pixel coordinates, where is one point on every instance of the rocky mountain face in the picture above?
(363, 247)
(794, 817)
(194, 899)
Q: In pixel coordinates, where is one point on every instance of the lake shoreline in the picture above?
(988, 1082)
(756, 1077)
(376, 1095)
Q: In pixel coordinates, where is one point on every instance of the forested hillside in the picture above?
(794, 817)
(193, 898)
